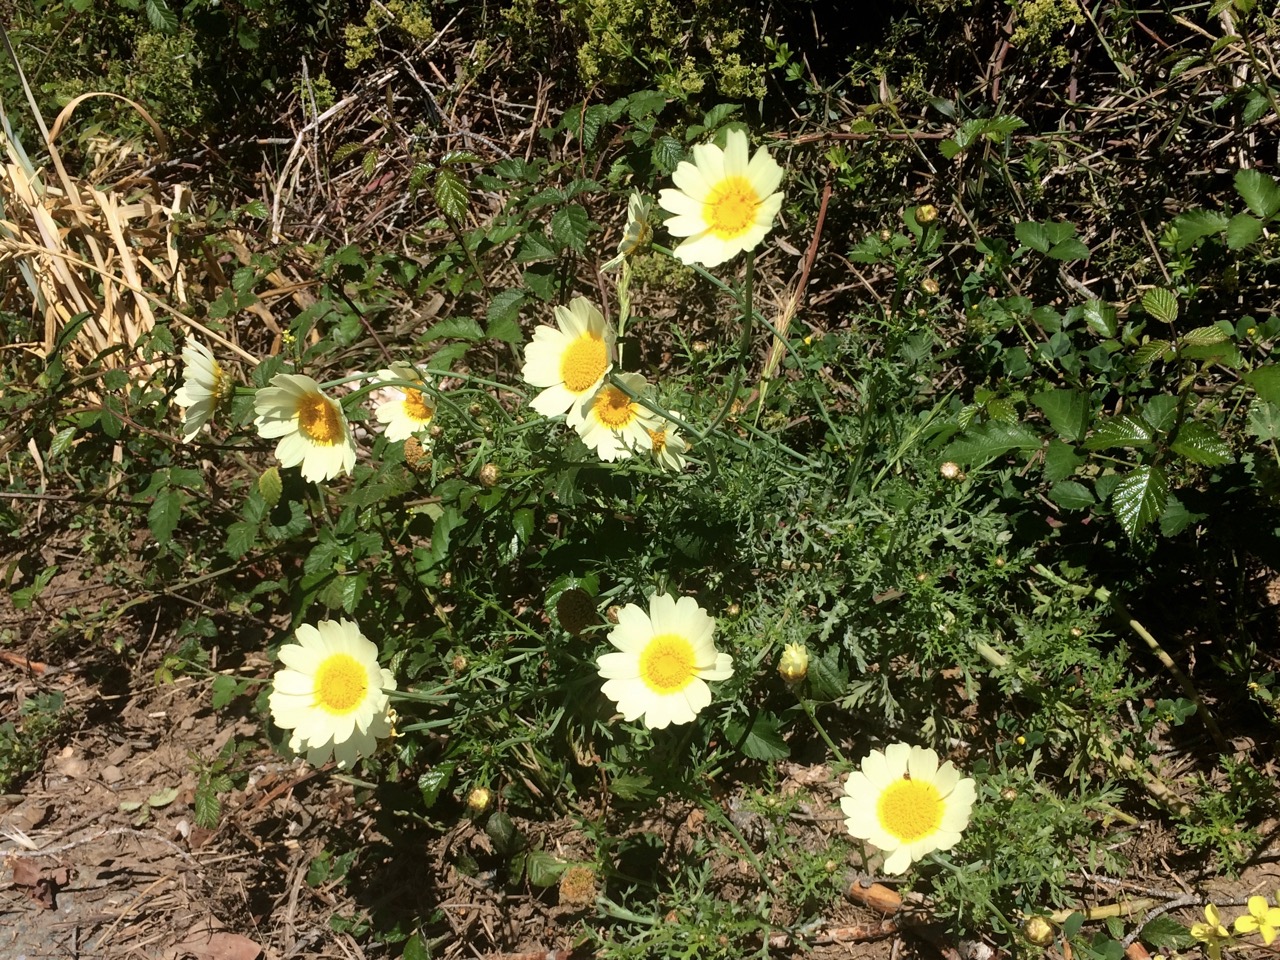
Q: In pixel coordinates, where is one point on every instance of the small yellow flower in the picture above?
(724, 203)
(905, 803)
(668, 446)
(639, 231)
(312, 427)
(1261, 918)
(793, 666)
(1211, 933)
(411, 412)
(568, 363)
(611, 423)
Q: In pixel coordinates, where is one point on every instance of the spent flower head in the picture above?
(725, 201)
(638, 231)
(903, 802)
(667, 445)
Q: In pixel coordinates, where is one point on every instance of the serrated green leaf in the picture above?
(165, 512)
(208, 809)
(987, 441)
(1060, 461)
(451, 194)
(455, 328)
(161, 17)
(629, 786)
(433, 781)
(1242, 231)
(1071, 495)
(241, 536)
(1100, 318)
(1066, 410)
(1150, 351)
(1121, 431)
(1139, 498)
(1069, 249)
(1204, 336)
(223, 690)
(1259, 191)
(1032, 234)
(570, 227)
(762, 740)
(667, 153)
(535, 247)
(1160, 411)
(502, 831)
(270, 486)
(1264, 420)
(61, 441)
(542, 869)
(828, 679)
(1166, 933)
(1161, 304)
(1194, 224)
(1200, 443)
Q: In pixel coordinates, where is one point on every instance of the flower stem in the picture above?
(744, 344)
(822, 731)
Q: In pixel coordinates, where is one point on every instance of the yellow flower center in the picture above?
(417, 408)
(320, 420)
(341, 683)
(730, 209)
(910, 809)
(583, 363)
(659, 438)
(667, 663)
(222, 385)
(614, 409)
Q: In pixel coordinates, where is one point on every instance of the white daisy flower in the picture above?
(611, 423)
(725, 203)
(667, 446)
(568, 363)
(330, 693)
(205, 384)
(903, 802)
(667, 656)
(312, 428)
(411, 411)
(638, 232)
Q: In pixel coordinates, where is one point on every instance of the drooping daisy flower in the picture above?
(330, 693)
(725, 203)
(568, 363)
(412, 411)
(205, 384)
(667, 656)
(905, 804)
(611, 423)
(667, 446)
(312, 428)
(639, 231)
(1262, 919)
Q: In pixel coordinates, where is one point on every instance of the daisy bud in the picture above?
(885, 236)
(1038, 930)
(612, 613)
(458, 663)
(793, 666)
(930, 286)
(951, 471)
(926, 213)
(478, 800)
(489, 475)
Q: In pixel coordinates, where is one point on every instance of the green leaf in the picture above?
(208, 809)
(505, 305)
(502, 831)
(1266, 381)
(165, 512)
(761, 741)
(455, 328)
(1033, 235)
(535, 246)
(61, 441)
(161, 17)
(270, 486)
(1200, 443)
(1069, 249)
(162, 798)
(415, 949)
(1204, 336)
(1121, 431)
(1173, 521)
(1150, 351)
(1166, 933)
(1242, 231)
(1071, 495)
(1194, 224)
(1139, 498)
(987, 441)
(1100, 318)
(828, 679)
(1259, 191)
(1066, 410)
(224, 690)
(542, 869)
(451, 194)
(667, 153)
(1264, 420)
(1161, 304)
(1160, 411)
(433, 781)
(570, 227)
(1060, 461)
(629, 786)
(241, 536)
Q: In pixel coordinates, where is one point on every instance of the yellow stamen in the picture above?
(667, 663)
(614, 409)
(320, 420)
(910, 809)
(659, 438)
(730, 209)
(417, 407)
(341, 683)
(583, 363)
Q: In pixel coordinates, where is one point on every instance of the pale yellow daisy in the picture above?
(611, 423)
(667, 446)
(568, 363)
(205, 385)
(331, 693)
(312, 428)
(903, 802)
(793, 665)
(666, 658)
(638, 232)
(412, 411)
(725, 203)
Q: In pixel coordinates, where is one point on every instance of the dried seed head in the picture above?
(732, 610)
(578, 887)
(489, 475)
(458, 663)
(416, 456)
(576, 610)
(930, 286)
(1038, 930)
(885, 236)
(951, 471)
(612, 613)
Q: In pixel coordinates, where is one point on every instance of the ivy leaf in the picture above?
(1259, 191)
(1161, 304)
(1139, 498)
(570, 227)
(451, 194)
(1200, 443)
(1121, 431)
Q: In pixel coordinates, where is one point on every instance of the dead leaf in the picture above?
(42, 884)
(220, 946)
